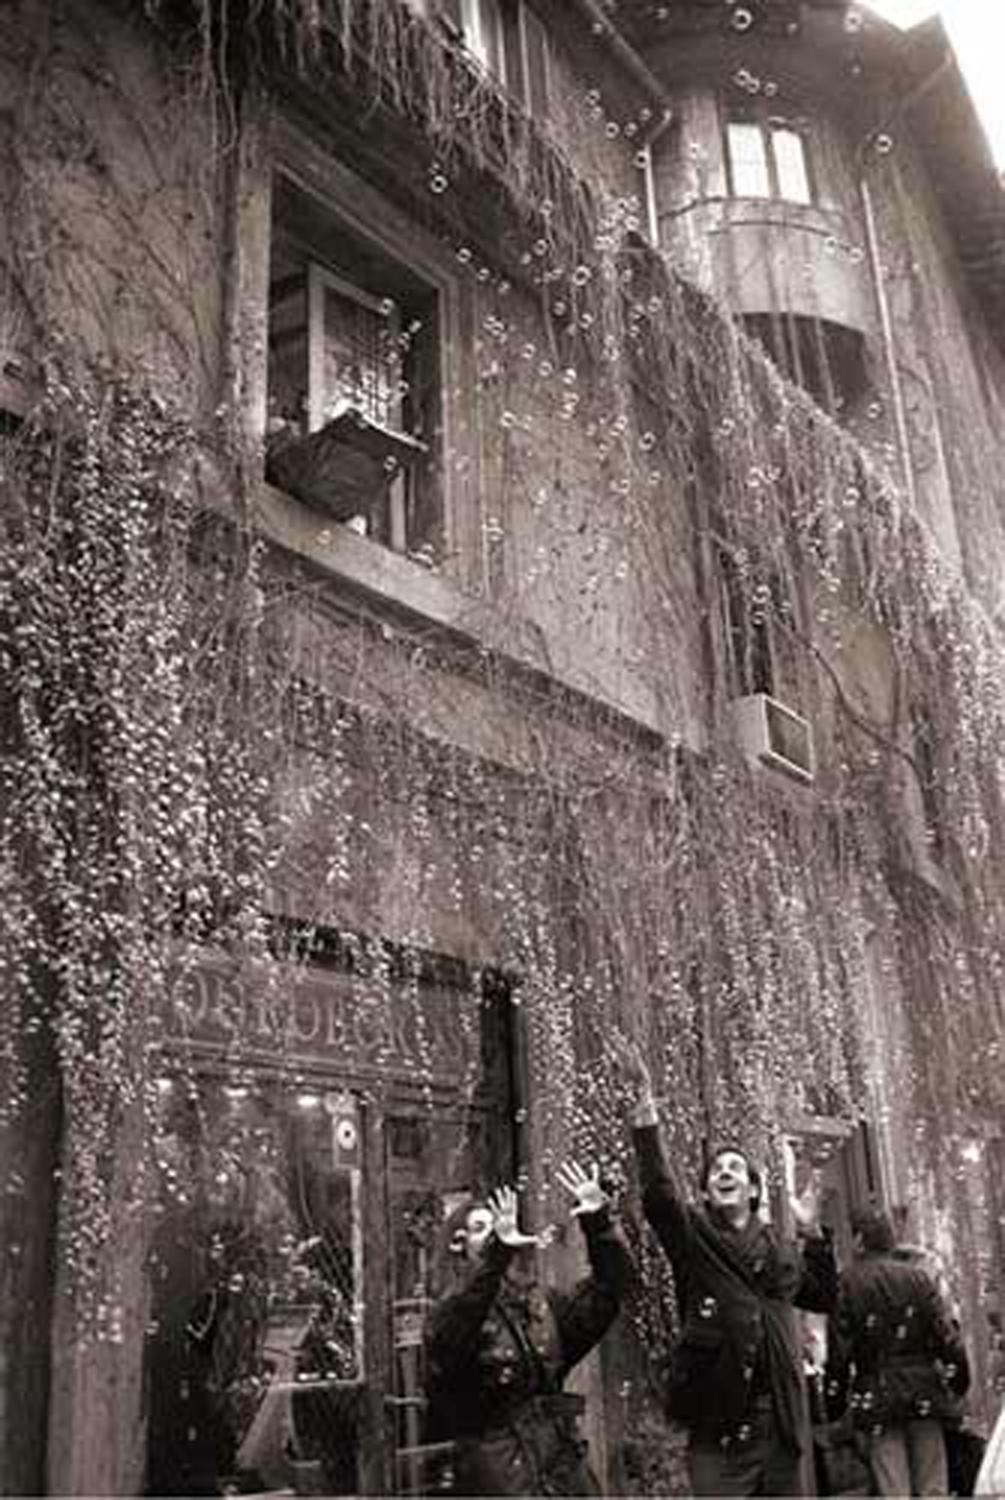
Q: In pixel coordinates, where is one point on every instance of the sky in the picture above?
(977, 31)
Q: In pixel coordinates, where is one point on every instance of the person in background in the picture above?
(499, 1346)
(964, 1445)
(737, 1381)
(897, 1351)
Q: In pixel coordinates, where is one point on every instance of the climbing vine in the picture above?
(197, 743)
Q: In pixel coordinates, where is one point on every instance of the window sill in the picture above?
(341, 467)
(357, 560)
(407, 592)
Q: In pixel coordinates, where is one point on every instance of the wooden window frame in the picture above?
(320, 280)
(748, 647)
(343, 203)
(769, 126)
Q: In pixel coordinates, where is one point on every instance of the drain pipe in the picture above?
(649, 140)
(603, 27)
(876, 270)
(886, 333)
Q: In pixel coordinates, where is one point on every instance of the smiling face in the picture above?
(472, 1235)
(478, 1228)
(729, 1187)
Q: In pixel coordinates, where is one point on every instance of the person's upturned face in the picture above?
(729, 1187)
(478, 1228)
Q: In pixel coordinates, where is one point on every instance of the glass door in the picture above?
(436, 1156)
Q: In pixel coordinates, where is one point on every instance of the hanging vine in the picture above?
(182, 754)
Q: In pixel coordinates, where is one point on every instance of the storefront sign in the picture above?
(302, 1015)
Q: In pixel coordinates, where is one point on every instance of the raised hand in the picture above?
(584, 1187)
(633, 1065)
(504, 1207)
(806, 1205)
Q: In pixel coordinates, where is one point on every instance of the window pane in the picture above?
(536, 43)
(748, 161)
(362, 364)
(790, 164)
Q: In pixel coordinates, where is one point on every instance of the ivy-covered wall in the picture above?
(208, 737)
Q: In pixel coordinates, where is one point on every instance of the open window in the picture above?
(478, 24)
(767, 157)
(760, 669)
(354, 375)
(748, 637)
(826, 359)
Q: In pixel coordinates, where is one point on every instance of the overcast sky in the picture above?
(977, 29)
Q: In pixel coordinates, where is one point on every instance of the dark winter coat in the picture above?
(497, 1354)
(895, 1345)
(736, 1290)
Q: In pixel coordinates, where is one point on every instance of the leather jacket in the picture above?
(497, 1355)
(896, 1347)
(735, 1291)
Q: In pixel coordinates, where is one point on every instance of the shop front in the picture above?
(315, 1128)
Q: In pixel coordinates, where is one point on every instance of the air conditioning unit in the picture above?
(775, 735)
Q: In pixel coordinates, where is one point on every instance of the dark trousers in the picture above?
(751, 1461)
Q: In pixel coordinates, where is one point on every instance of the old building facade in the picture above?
(502, 537)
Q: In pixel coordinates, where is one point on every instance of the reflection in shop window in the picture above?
(254, 1345)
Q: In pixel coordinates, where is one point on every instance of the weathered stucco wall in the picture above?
(482, 747)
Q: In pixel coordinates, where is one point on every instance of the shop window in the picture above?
(255, 1341)
(297, 1239)
(767, 158)
(354, 375)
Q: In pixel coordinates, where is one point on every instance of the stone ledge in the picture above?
(408, 591)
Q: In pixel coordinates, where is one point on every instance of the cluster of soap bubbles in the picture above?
(750, 83)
